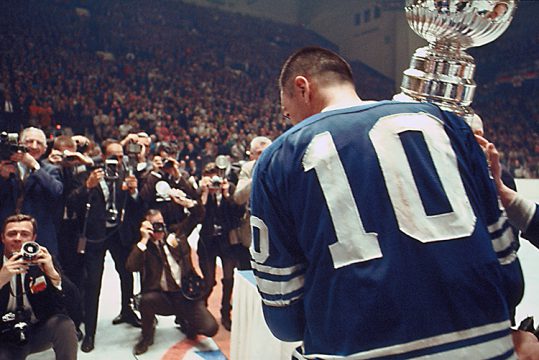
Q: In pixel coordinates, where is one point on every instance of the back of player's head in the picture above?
(315, 62)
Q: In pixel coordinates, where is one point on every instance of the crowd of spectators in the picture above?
(186, 74)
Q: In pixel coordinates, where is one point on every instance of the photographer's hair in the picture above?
(39, 132)
(64, 142)
(210, 168)
(261, 141)
(151, 212)
(315, 62)
(105, 144)
(20, 218)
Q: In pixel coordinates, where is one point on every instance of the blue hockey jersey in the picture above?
(377, 233)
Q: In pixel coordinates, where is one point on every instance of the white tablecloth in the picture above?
(251, 339)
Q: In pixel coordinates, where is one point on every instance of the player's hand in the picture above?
(526, 345)
(493, 157)
(95, 177)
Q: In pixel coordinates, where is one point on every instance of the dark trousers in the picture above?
(58, 333)
(174, 303)
(94, 264)
(71, 261)
(208, 250)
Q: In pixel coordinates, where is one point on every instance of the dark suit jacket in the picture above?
(96, 224)
(45, 303)
(42, 190)
(150, 264)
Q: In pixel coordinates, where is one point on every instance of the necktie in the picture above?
(170, 283)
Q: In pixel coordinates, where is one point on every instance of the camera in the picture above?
(9, 145)
(29, 250)
(82, 147)
(133, 149)
(14, 327)
(159, 227)
(111, 169)
(216, 182)
(69, 158)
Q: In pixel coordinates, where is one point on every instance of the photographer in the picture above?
(222, 215)
(31, 297)
(72, 164)
(137, 148)
(110, 218)
(170, 285)
(166, 176)
(241, 197)
(30, 186)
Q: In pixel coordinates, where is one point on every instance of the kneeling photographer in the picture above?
(170, 285)
(31, 299)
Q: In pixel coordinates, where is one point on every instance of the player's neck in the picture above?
(341, 99)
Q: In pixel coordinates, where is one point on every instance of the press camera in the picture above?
(9, 145)
(159, 227)
(14, 327)
(29, 250)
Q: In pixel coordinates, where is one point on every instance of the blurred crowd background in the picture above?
(206, 80)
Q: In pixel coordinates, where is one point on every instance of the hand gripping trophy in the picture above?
(442, 72)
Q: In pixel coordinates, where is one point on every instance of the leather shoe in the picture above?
(87, 344)
(80, 334)
(129, 318)
(142, 346)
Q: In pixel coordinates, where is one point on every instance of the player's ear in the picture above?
(302, 87)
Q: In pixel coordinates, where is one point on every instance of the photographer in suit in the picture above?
(113, 205)
(164, 261)
(30, 186)
(33, 282)
(222, 215)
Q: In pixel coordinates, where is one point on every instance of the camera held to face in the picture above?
(30, 250)
(216, 182)
(133, 148)
(159, 227)
(9, 145)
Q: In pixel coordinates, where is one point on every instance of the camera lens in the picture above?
(29, 250)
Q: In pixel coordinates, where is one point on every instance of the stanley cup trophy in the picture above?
(442, 72)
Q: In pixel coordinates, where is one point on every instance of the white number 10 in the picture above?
(354, 244)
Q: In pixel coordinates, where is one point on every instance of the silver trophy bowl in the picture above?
(442, 72)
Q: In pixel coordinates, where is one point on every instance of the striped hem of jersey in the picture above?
(277, 271)
(272, 287)
(494, 342)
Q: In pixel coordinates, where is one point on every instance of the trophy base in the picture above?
(443, 76)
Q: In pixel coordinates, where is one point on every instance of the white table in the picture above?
(250, 337)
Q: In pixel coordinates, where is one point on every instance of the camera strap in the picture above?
(19, 293)
(20, 196)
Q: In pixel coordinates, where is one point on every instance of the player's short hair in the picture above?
(20, 218)
(313, 61)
